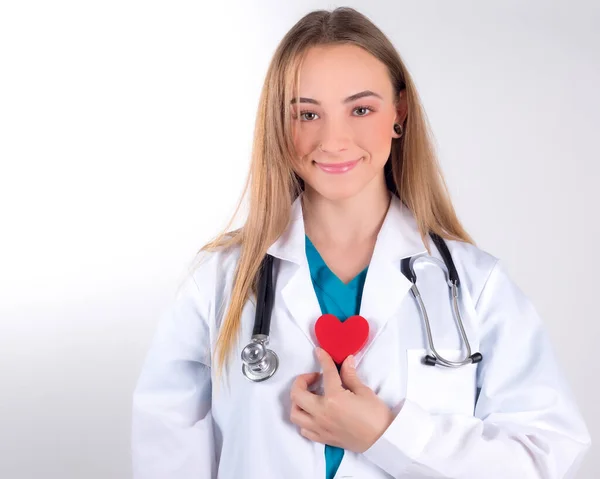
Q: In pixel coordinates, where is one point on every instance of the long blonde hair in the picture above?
(412, 171)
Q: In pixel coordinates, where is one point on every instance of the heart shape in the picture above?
(341, 339)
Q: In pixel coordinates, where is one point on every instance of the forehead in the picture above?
(333, 72)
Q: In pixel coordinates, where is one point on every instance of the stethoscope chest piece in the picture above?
(259, 363)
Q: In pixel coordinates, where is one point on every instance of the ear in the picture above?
(401, 110)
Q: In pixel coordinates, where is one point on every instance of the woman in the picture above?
(344, 185)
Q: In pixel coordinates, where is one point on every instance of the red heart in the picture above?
(341, 339)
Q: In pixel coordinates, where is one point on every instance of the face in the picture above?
(343, 121)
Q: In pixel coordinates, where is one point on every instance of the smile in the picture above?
(337, 168)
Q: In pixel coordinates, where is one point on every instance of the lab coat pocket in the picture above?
(439, 389)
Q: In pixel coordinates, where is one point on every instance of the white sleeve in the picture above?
(526, 423)
(172, 431)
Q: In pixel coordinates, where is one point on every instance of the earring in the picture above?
(398, 129)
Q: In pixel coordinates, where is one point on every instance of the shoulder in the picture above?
(473, 264)
(208, 279)
(492, 289)
(210, 268)
(209, 265)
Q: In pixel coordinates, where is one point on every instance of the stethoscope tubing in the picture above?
(260, 363)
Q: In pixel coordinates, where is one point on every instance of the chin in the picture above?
(336, 190)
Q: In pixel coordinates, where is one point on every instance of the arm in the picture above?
(526, 424)
(172, 434)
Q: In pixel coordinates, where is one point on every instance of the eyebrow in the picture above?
(351, 98)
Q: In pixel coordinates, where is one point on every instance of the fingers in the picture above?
(331, 377)
(309, 427)
(301, 418)
(307, 379)
(313, 436)
(316, 437)
(300, 394)
(304, 420)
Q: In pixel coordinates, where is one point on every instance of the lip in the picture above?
(338, 168)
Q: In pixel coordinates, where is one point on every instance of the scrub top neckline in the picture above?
(320, 264)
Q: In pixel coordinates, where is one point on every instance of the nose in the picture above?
(335, 136)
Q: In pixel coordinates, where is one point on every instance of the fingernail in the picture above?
(351, 361)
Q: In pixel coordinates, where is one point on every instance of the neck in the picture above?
(355, 219)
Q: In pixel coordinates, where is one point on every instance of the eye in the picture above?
(364, 108)
(308, 112)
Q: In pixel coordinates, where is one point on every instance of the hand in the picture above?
(352, 418)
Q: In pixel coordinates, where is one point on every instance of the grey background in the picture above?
(125, 132)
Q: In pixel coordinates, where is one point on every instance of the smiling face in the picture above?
(343, 121)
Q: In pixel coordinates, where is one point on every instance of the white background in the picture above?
(125, 134)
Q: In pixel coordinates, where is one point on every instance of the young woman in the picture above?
(344, 187)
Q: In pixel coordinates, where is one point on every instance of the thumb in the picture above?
(349, 377)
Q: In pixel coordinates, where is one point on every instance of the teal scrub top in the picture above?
(338, 298)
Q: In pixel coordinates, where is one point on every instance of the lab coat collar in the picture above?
(385, 286)
(398, 237)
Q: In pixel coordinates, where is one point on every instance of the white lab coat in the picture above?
(510, 416)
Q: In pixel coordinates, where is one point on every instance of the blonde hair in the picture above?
(412, 171)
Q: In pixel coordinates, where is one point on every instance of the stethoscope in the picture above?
(260, 363)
